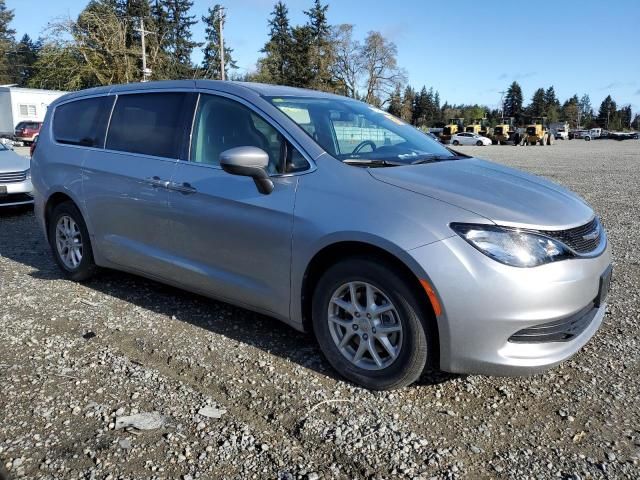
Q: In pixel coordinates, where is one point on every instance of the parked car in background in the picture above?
(328, 214)
(560, 130)
(15, 178)
(577, 134)
(26, 132)
(470, 139)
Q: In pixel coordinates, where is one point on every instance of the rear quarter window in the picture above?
(82, 122)
(151, 123)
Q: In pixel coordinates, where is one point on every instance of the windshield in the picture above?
(351, 130)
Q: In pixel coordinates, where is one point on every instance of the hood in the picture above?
(501, 194)
(10, 161)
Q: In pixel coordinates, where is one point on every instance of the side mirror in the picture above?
(248, 162)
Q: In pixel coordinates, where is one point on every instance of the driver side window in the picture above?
(222, 123)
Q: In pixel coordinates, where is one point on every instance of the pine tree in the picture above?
(537, 106)
(513, 101)
(321, 52)
(607, 115)
(395, 102)
(408, 99)
(178, 41)
(211, 60)
(586, 110)
(299, 73)
(7, 43)
(552, 105)
(571, 111)
(26, 56)
(278, 49)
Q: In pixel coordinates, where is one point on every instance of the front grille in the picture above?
(13, 177)
(575, 239)
(531, 131)
(559, 331)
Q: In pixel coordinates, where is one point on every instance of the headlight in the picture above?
(511, 246)
(28, 172)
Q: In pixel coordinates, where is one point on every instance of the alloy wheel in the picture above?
(365, 325)
(69, 242)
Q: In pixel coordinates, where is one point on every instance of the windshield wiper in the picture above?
(437, 158)
(372, 162)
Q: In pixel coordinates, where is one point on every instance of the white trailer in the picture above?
(19, 104)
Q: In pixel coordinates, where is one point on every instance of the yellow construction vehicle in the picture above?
(504, 131)
(538, 132)
(474, 127)
(485, 129)
(453, 126)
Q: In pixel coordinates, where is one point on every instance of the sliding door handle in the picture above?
(157, 182)
(185, 187)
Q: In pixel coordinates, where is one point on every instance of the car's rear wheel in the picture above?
(370, 326)
(69, 241)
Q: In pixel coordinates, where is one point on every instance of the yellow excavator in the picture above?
(505, 131)
(453, 126)
(538, 132)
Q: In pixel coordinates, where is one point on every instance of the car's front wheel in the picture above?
(70, 244)
(370, 324)
(456, 142)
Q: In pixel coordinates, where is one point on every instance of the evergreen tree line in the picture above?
(577, 111)
(102, 46)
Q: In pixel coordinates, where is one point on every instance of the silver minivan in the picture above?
(329, 214)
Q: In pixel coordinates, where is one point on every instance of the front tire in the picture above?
(370, 325)
(479, 143)
(70, 244)
(456, 143)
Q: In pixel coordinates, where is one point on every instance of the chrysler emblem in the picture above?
(591, 236)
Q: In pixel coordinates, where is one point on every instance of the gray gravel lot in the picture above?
(74, 357)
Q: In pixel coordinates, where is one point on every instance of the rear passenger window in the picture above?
(83, 122)
(151, 123)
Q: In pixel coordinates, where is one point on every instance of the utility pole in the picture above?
(221, 20)
(502, 103)
(145, 71)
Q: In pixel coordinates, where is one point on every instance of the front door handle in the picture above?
(157, 181)
(185, 187)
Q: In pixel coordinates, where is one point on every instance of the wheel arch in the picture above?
(55, 199)
(335, 252)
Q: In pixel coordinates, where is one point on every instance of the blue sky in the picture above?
(466, 50)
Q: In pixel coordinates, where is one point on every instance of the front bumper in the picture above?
(485, 303)
(18, 193)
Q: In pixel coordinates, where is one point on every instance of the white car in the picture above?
(15, 178)
(470, 139)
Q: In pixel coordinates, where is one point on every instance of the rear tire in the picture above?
(341, 334)
(70, 243)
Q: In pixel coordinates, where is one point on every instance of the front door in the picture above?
(232, 241)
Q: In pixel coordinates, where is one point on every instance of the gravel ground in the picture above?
(239, 395)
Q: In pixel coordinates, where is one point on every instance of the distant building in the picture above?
(19, 104)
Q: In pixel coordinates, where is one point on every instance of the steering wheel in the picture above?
(361, 145)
